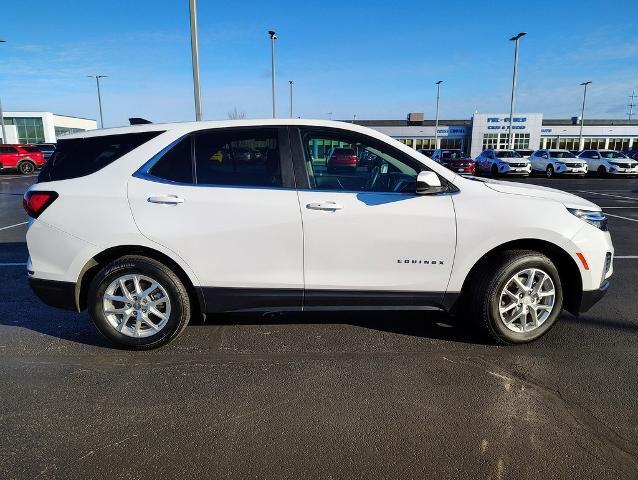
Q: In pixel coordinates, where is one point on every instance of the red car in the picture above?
(455, 160)
(24, 158)
(341, 158)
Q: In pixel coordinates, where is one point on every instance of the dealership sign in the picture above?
(506, 120)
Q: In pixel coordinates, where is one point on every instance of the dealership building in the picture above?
(41, 127)
(530, 130)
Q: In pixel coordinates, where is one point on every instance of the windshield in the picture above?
(452, 154)
(612, 154)
(507, 154)
(562, 154)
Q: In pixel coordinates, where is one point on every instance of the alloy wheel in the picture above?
(527, 300)
(136, 305)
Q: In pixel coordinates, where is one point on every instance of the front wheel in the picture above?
(517, 299)
(549, 172)
(26, 168)
(602, 171)
(138, 303)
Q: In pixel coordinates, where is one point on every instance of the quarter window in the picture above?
(176, 164)
(240, 158)
(357, 163)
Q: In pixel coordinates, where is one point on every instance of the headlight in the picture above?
(597, 219)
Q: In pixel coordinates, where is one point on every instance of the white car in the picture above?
(609, 162)
(502, 162)
(152, 225)
(562, 162)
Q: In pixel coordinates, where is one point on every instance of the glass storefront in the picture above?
(30, 129)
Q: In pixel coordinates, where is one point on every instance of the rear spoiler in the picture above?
(138, 121)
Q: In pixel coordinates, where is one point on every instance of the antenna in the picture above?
(631, 105)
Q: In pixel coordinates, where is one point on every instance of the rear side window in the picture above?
(31, 149)
(8, 150)
(241, 158)
(79, 157)
(176, 164)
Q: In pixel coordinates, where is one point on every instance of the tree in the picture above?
(236, 115)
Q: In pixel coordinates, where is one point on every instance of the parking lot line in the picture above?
(624, 218)
(23, 264)
(605, 208)
(606, 195)
(625, 257)
(11, 226)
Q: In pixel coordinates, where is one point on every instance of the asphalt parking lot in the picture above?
(340, 395)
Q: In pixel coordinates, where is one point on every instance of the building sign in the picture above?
(506, 120)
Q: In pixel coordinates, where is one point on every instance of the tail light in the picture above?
(35, 202)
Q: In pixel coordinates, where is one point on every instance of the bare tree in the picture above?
(236, 115)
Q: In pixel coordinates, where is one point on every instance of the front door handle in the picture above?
(329, 206)
(166, 199)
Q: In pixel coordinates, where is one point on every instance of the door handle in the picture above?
(166, 199)
(329, 206)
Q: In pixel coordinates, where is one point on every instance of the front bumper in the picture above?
(55, 293)
(591, 297)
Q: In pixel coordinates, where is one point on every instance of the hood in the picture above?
(513, 160)
(514, 188)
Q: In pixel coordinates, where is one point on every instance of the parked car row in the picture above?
(25, 159)
(547, 162)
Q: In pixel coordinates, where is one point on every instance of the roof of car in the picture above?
(205, 125)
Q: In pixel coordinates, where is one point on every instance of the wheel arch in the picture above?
(567, 267)
(95, 264)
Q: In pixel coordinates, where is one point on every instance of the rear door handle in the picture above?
(329, 206)
(166, 199)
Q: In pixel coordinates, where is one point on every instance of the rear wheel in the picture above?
(138, 303)
(549, 172)
(517, 299)
(26, 167)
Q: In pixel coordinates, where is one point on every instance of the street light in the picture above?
(99, 97)
(4, 129)
(514, 39)
(273, 37)
(291, 83)
(582, 115)
(195, 55)
(436, 121)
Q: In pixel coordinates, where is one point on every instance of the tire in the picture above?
(494, 171)
(549, 172)
(170, 285)
(602, 171)
(488, 286)
(26, 167)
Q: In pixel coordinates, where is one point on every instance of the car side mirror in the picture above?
(428, 183)
(596, 157)
(545, 156)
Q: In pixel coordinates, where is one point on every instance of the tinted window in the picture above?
(31, 149)
(503, 154)
(238, 157)
(377, 167)
(175, 165)
(611, 154)
(8, 150)
(562, 155)
(78, 157)
(451, 154)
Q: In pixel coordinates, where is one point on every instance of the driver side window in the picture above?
(342, 161)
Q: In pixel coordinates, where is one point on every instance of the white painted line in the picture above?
(605, 208)
(11, 226)
(624, 218)
(635, 199)
(24, 264)
(625, 256)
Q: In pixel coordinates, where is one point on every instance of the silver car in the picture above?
(502, 162)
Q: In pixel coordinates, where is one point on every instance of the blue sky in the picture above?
(375, 59)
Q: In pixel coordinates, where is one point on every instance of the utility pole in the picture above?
(632, 97)
(582, 116)
(273, 37)
(436, 121)
(195, 56)
(4, 129)
(516, 38)
(99, 95)
(290, 82)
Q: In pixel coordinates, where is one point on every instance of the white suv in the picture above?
(562, 162)
(152, 225)
(609, 162)
(502, 162)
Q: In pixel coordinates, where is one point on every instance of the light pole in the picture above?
(514, 39)
(290, 82)
(273, 37)
(4, 129)
(99, 96)
(436, 121)
(582, 115)
(195, 55)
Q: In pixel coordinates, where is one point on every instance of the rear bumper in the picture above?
(55, 293)
(591, 297)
